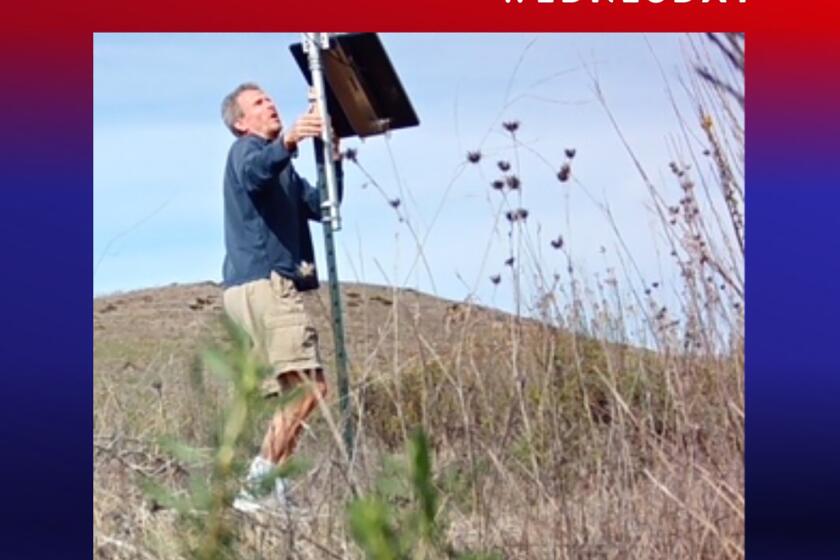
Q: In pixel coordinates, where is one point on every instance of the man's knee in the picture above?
(311, 381)
(288, 380)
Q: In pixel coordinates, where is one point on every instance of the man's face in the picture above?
(259, 114)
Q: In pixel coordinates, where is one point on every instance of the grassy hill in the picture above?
(545, 444)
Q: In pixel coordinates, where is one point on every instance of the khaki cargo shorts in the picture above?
(271, 312)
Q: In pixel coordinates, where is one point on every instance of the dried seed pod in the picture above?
(511, 126)
(513, 182)
(474, 157)
(570, 153)
(564, 173)
(504, 165)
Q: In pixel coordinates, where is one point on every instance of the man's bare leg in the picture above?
(282, 435)
(286, 425)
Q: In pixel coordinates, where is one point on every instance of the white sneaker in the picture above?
(278, 501)
(246, 503)
(248, 500)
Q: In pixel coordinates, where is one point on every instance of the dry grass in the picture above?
(623, 452)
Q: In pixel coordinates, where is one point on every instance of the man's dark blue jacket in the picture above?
(267, 205)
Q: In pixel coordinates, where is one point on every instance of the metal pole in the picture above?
(312, 44)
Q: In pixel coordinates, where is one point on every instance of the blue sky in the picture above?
(160, 147)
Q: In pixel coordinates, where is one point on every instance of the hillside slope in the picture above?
(546, 445)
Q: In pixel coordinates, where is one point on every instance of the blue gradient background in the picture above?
(46, 227)
(793, 340)
(793, 261)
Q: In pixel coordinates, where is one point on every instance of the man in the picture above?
(269, 261)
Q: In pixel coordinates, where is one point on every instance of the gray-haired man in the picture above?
(269, 261)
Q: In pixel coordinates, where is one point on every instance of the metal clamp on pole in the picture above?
(313, 44)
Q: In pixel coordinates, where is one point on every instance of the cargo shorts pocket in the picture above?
(292, 343)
